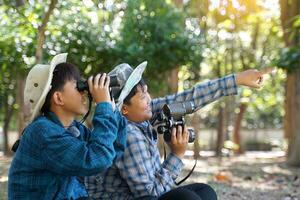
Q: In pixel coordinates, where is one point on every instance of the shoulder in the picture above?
(134, 133)
(42, 127)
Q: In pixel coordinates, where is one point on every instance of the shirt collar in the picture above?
(53, 117)
(146, 128)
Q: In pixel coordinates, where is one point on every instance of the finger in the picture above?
(256, 85)
(179, 134)
(185, 135)
(90, 82)
(268, 70)
(102, 80)
(260, 80)
(173, 136)
(96, 80)
(107, 81)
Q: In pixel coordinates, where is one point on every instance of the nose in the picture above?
(148, 96)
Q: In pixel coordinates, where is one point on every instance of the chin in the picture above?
(82, 111)
(149, 116)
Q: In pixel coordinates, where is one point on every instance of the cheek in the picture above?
(74, 97)
(144, 105)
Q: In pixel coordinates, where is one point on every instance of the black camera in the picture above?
(82, 85)
(172, 115)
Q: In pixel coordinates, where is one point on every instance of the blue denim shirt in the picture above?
(50, 157)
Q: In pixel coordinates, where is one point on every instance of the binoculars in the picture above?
(82, 85)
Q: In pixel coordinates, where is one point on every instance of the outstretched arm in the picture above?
(209, 91)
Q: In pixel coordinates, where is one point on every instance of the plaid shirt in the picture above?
(50, 157)
(138, 172)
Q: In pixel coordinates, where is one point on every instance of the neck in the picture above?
(64, 117)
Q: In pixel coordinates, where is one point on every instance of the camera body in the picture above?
(172, 115)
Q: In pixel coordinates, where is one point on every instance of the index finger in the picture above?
(186, 133)
(90, 82)
(173, 136)
(268, 70)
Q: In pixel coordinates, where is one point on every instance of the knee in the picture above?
(205, 191)
(180, 194)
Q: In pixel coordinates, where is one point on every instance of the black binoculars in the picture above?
(82, 85)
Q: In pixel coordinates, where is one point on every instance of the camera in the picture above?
(82, 85)
(172, 115)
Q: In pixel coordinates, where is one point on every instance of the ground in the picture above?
(251, 176)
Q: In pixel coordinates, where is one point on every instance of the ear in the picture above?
(124, 110)
(58, 98)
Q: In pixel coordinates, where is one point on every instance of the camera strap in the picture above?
(188, 175)
(89, 110)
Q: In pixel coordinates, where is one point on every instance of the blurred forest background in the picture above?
(185, 42)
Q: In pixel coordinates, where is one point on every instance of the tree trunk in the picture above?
(290, 9)
(23, 115)
(41, 31)
(195, 122)
(220, 132)
(237, 127)
(293, 106)
(7, 118)
(173, 80)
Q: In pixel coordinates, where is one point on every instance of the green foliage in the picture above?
(240, 37)
(100, 35)
(87, 38)
(289, 58)
(155, 31)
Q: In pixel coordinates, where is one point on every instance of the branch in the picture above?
(41, 31)
(48, 14)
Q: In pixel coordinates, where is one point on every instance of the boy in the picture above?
(55, 148)
(138, 172)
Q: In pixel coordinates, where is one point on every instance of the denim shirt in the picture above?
(50, 158)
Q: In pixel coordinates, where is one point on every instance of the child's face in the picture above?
(139, 109)
(73, 101)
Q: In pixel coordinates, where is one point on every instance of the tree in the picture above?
(235, 41)
(290, 60)
(155, 31)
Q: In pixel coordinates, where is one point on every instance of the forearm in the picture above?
(201, 94)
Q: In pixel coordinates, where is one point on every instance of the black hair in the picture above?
(62, 73)
(133, 91)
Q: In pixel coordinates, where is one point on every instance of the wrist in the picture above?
(238, 79)
(178, 154)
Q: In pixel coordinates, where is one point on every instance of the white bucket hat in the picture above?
(127, 78)
(38, 84)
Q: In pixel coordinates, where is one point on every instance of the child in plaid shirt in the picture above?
(138, 173)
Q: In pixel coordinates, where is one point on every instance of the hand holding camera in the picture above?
(172, 115)
(179, 140)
